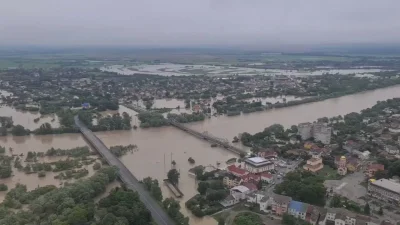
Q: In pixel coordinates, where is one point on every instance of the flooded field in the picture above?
(170, 69)
(26, 118)
(21, 145)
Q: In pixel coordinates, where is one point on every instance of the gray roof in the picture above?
(281, 199)
(387, 184)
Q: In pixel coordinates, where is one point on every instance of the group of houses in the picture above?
(279, 205)
(245, 177)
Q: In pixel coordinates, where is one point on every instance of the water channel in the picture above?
(157, 146)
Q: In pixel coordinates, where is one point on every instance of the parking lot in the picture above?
(349, 187)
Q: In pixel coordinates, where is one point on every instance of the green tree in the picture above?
(173, 176)
(380, 212)
(19, 131)
(367, 209)
(77, 216)
(96, 166)
(3, 187)
(221, 221)
(203, 187)
(336, 202)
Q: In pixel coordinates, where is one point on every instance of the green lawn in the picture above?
(328, 173)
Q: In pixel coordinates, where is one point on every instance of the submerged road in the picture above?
(157, 212)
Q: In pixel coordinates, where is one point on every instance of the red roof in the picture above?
(267, 175)
(251, 186)
(376, 167)
(250, 176)
(234, 169)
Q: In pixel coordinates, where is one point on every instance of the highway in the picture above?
(157, 212)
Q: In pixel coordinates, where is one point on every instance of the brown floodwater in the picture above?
(157, 144)
(228, 127)
(24, 144)
(26, 118)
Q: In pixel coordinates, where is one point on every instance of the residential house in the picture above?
(231, 180)
(229, 201)
(236, 171)
(267, 177)
(315, 163)
(240, 192)
(315, 215)
(267, 154)
(391, 149)
(250, 177)
(340, 216)
(264, 204)
(352, 146)
(298, 209)
(279, 204)
(373, 168)
(251, 186)
(237, 194)
(353, 164)
(255, 197)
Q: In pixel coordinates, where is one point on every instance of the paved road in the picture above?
(158, 214)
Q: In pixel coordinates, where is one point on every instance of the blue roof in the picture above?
(298, 206)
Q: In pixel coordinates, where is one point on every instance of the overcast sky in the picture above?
(171, 23)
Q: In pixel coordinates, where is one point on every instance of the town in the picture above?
(341, 169)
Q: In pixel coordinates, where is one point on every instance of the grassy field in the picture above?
(328, 173)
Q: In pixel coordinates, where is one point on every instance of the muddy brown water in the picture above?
(158, 145)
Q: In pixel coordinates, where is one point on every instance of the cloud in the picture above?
(198, 22)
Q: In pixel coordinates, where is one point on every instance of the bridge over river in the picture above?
(205, 136)
(158, 214)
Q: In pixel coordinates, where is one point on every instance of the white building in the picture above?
(322, 132)
(237, 194)
(319, 131)
(240, 192)
(305, 130)
(392, 149)
(258, 165)
(260, 198)
(385, 189)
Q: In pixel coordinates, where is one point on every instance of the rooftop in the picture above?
(235, 169)
(257, 161)
(298, 206)
(240, 188)
(387, 184)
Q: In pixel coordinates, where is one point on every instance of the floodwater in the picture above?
(40, 143)
(170, 69)
(228, 127)
(158, 145)
(26, 118)
(157, 148)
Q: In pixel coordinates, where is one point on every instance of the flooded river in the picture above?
(158, 145)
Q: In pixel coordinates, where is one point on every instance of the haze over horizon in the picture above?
(174, 23)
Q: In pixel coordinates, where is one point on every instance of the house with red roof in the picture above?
(267, 153)
(267, 177)
(237, 171)
(250, 177)
(373, 168)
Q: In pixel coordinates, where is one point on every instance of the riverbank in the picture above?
(228, 127)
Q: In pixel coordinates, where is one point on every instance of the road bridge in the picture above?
(157, 212)
(205, 136)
